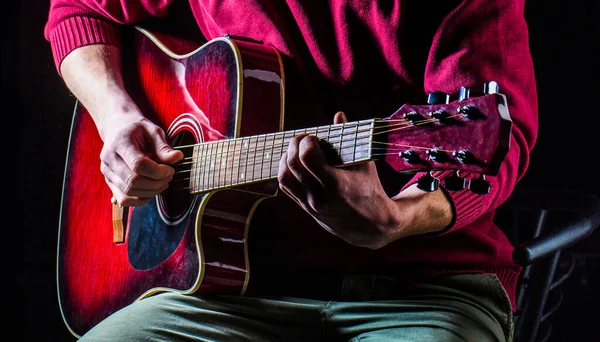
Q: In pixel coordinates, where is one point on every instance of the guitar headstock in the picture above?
(470, 134)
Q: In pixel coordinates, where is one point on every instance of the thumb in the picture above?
(166, 154)
(163, 152)
(339, 117)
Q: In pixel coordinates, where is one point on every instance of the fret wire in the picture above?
(226, 163)
(317, 130)
(237, 165)
(217, 149)
(254, 157)
(245, 146)
(197, 163)
(354, 145)
(320, 128)
(263, 156)
(360, 142)
(252, 148)
(204, 165)
(193, 168)
(221, 160)
(211, 174)
(213, 165)
(275, 137)
(329, 134)
(198, 168)
(342, 138)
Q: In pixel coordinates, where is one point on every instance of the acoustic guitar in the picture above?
(222, 104)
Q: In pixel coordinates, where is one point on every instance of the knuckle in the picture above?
(156, 130)
(294, 163)
(284, 176)
(317, 203)
(305, 154)
(137, 165)
(128, 183)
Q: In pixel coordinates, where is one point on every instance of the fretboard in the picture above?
(227, 163)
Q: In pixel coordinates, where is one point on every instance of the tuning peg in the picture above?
(464, 93)
(470, 112)
(464, 156)
(410, 156)
(428, 183)
(491, 87)
(441, 116)
(480, 185)
(455, 182)
(438, 97)
(437, 155)
(413, 117)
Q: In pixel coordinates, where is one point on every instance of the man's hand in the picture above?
(136, 158)
(350, 202)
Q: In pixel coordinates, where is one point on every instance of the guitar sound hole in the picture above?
(175, 202)
(157, 228)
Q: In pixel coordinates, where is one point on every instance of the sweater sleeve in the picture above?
(478, 42)
(75, 23)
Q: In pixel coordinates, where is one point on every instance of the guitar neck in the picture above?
(227, 163)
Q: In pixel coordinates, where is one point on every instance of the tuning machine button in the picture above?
(470, 112)
(491, 87)
(437, 155)
(480, 185)
(438, 97)
(428, 183)
(413, 117)
(455, 182)
(410, 156)
(440, 115)
(464, 93)
(464, 156)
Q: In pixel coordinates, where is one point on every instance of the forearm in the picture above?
(93, 74)
(419, 212)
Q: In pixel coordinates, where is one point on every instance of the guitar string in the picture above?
(272, 168)
(190, 160)
(255, 149)
(261, 162)
(297, 132)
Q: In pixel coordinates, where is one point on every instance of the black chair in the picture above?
(543, 224)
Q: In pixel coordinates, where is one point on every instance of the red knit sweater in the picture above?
(366, 59)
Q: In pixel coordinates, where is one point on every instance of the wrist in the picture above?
(419, 212)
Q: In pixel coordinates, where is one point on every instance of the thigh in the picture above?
(451, 308)
(176, 317)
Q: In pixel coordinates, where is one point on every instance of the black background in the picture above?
(564, 36)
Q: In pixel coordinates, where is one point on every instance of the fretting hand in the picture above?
(350, 201)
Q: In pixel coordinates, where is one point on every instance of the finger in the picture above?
(142, 165)
(296, 154)
(288, 181)
(314, 161)
(131, 184)
(339, 117)
(124, 200)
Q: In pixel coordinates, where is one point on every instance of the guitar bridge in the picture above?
(119, 222)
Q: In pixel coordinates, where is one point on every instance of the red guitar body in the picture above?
(224, 89)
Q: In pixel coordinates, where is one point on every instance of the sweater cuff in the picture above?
(466, 205)
(75, 32)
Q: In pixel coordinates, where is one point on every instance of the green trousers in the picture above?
(461, 307)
